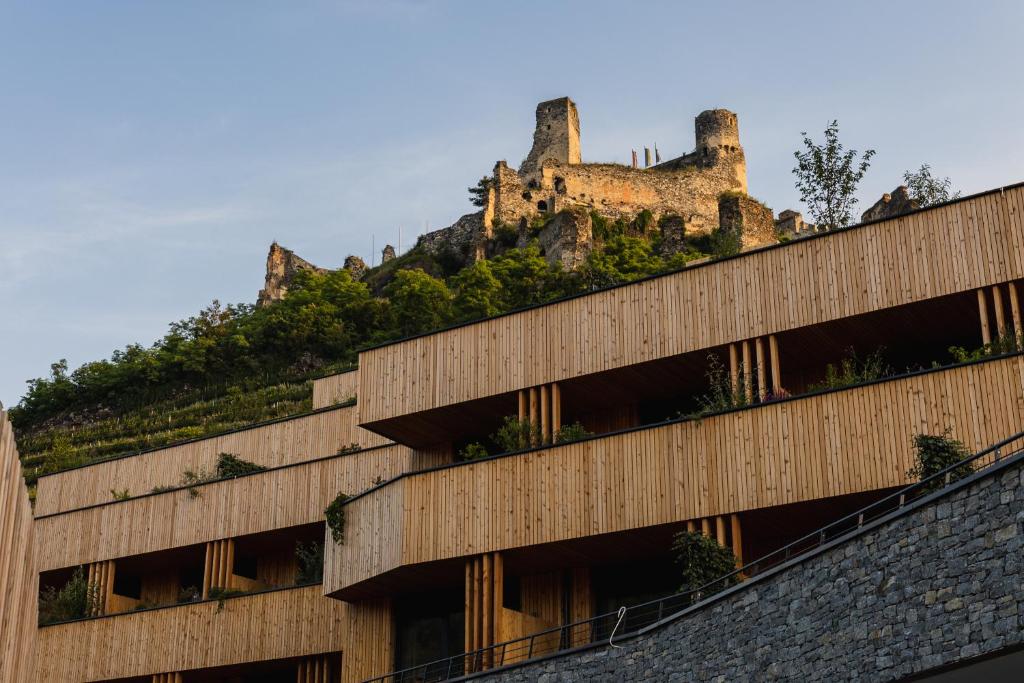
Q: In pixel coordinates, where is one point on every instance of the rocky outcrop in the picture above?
(355, 266)
(892, 204)
(568, 238)
(387, 254)
(282, 267)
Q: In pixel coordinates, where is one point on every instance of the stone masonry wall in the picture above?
(940, 584)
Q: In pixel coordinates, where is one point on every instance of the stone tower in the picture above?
(556, 137)
(718, 143)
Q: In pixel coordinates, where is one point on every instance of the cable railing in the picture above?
(628, 621)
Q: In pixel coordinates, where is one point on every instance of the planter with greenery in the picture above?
(335, 515)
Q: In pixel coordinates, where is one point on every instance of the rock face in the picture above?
(892, 204)
(387, 254)
(282, 266)
(355, 266)
(568, 238)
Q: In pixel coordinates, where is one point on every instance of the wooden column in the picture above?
(167, 678)
(556, 408)
(534, 416)
(1015, 312)
(773, 352)
(734, 370)
(762, 384)
(485, 582)
(545, 414)
(747, 373)
(705, 526)
(691, 526)
(986, 333)
(524, 404)
(737, 539)
(218, 569)
(720, 530)
(997, 302)
(314, 669)
(100, 579)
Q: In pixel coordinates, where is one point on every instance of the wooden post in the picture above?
(534, 422)
(997, 301)
(720, 530)
(478, 605)
(229, 565)
(488, 600)
(748, 376)
(986, 334)
(523, 404)
(691, 526)
(208, 570)
(737, 539)
(773, 351)
(498, 571)
(468, 628)
(1015, 312)
(556, 408)
(762, 387)
(545, 414)
(705, 526)
(734, 369)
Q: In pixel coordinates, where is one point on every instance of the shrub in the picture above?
(934, 453)
(123, 494)
(473, 451)
(1007, 343)
(310, 558)
(346, 450)
(721, 393)
(75, 600)
(852, 370)
(230, 466)
(189, 594)
(573, 432)
(725, 243)
(515, 434)
(335, 515)
(702, 560)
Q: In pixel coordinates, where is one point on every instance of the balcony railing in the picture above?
(629, 621)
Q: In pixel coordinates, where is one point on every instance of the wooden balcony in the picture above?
(958, 247)
(270, 444)
(808, 448)
(276, 499)
(278, 624)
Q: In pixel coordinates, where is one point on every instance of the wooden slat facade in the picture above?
(948, 249)
(277, 443)
(226, 509)
(842, 442)
(280, 624)
(19, 580)
(333, 389)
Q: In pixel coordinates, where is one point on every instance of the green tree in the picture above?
(419, 302)
(478, 193)
(527, 278)
(702, 560)
(477, 293)
(623, 259)
(926, 189)
(827, 176)
(934, 453)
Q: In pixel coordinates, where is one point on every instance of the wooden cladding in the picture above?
(818, 446)
(278, 443)
(19, 580)
(754, 369)
(226, 509)
(369, 646)
(1005, 323)
(297, 622)
(944, 250)
(314, 670)
(542, 407)
(328, 391)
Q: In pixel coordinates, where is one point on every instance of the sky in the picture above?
(151, 151)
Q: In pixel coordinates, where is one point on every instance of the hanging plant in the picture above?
(335, 514)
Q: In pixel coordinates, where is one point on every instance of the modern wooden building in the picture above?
(442, 555)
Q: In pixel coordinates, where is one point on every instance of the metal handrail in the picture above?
(647, 614)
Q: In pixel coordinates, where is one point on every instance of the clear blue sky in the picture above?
(150, 151)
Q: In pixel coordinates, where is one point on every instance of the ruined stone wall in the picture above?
(937, 586)
(748, 218)
(556, 137)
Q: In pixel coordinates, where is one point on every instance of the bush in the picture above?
(573, 432)
(230, 466)
(473, 451)
(310, 558)
(852, 370)
(721, 394)
(934, 453)
(335, 515)
(75, 600)
(123, 494)
(1005, 344)
(515, 434)
(702, 560)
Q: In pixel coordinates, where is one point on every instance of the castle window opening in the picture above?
(542, 205)
(527, 196)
